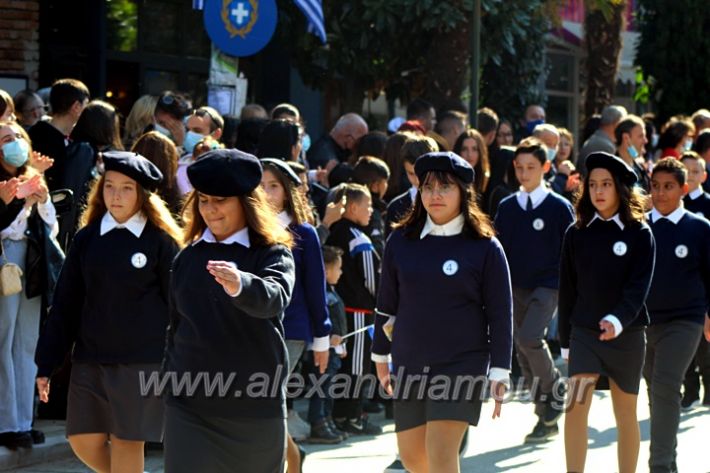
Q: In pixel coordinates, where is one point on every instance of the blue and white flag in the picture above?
(313, 9)
(198, 4)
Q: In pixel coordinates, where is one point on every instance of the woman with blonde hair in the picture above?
(111, 306)
(229, 289)
(139, 118)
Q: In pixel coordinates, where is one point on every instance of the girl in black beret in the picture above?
(606, 269)
(444, 313)
(111, 306)
(230, 287)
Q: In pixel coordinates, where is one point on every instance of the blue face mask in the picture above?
(530, 126)
(688, 145)
(632, 152)
(306, 143)
(16, 153)
(191, 140)
(551, 153)
(162, 130)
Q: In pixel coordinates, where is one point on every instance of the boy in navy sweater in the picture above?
(677, 305)
(531, 225)
(357, 286)
(696, 200)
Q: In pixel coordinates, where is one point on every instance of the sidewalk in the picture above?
(494, 446)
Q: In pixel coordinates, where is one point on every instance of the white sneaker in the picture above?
(298, 428)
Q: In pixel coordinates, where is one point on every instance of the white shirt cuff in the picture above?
(321, 343)
(381, 358)
(500, 375)
(618, 328)
(565, 353)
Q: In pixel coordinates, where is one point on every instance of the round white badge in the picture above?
(450, 267)
(681, 251)
(619, 248)
(538, 224)
(139, 260)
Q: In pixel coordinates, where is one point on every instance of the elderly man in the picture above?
(336, 146)
(560, 172)
(603, 139)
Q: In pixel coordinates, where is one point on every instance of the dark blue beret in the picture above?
(134, 166)
(282, 166)
(614, 164)
(225, 173)
(444, 161)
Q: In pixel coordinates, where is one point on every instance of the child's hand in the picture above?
(344, 354)
(43, 389)
(383, 374)
(497, 393)
(226, 274)
(608, 331)
(707, 328)
(320, 359)
(335, 340)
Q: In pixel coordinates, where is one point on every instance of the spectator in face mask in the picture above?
(204, 121)
(170, 112)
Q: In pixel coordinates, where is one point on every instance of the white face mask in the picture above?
(688, 145)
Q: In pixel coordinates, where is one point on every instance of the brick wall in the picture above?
(19, 39)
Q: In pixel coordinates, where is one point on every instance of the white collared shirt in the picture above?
(450, 228)
(135, 224)
(674, 216)
(16, 230)
(537, 196)
(696, 193)
(413, 193)
(615, 218)
(241, 237)
(284, 218)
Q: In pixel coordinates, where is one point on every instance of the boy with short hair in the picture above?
(357, 286)
(696, 200)
(374, 174)
(531, 225)
(677, 305)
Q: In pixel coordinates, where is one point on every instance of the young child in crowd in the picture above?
(373, 173)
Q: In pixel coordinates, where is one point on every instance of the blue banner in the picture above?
(240, 27)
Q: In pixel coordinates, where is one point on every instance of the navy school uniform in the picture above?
(450, 297)
(605, 273)
(677, 303)
(111, 304)
(698, 202)
(398, 208)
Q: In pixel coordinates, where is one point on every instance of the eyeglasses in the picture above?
(442, 190)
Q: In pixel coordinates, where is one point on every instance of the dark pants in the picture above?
(532, 311)
(670, 347)
(354, 365)
(699, 368)
(320, 405)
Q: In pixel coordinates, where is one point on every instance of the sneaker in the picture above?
(298, 428)
(689, 402)
(541, 433)
(552, 412)
(395, 467)
(359, 426)
(322, 433)
(334, 428)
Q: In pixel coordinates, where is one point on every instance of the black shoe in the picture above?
(552, 412)
(359, 426)
(541, 433)
(343, 435)
(395, 467)
(322, 433)
(373, 407)
(15, 440)
(37, 436)
(690, 401)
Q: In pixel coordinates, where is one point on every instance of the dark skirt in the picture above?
(620, 359)
(222, 445)
(107, 399)
(438, 399)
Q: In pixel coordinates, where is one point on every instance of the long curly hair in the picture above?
(631, 204)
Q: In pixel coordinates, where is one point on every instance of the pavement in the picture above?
(494, 446)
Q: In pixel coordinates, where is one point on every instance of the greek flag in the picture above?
(198, 4)
(313, 9)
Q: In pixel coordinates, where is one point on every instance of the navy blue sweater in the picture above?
(454, 324)
(307, 315)
(699, 206)
(533, 239)
(681, 280)
(604, 270)
(104, 306)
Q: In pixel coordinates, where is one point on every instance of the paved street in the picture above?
(495, 446)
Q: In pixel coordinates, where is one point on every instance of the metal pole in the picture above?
(475, 62)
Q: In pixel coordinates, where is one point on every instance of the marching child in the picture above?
(696, 200)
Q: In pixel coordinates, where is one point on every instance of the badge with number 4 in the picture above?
(619, 248)
(450, 267)
(681, 251)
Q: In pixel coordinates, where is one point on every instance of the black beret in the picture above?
(225, 173)
(134, 166)
(444, 161)
(614, 164)
(282, 166)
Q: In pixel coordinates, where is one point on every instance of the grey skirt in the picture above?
(107, 399)
(620, 359)
(196, 443)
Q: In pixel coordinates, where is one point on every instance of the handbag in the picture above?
(10, 276)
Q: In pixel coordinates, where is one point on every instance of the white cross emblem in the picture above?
(619, 248)
(240, 13)
(139, 260)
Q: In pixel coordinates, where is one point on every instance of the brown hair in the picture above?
(672, 166)
(294, 205)
(149, 203)
(25, 169)
(159, 150)
(99, 125)
(6, 102)
(264, 228)
(476, 223)
(483, 167)
(351, 191)
(631, 204)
